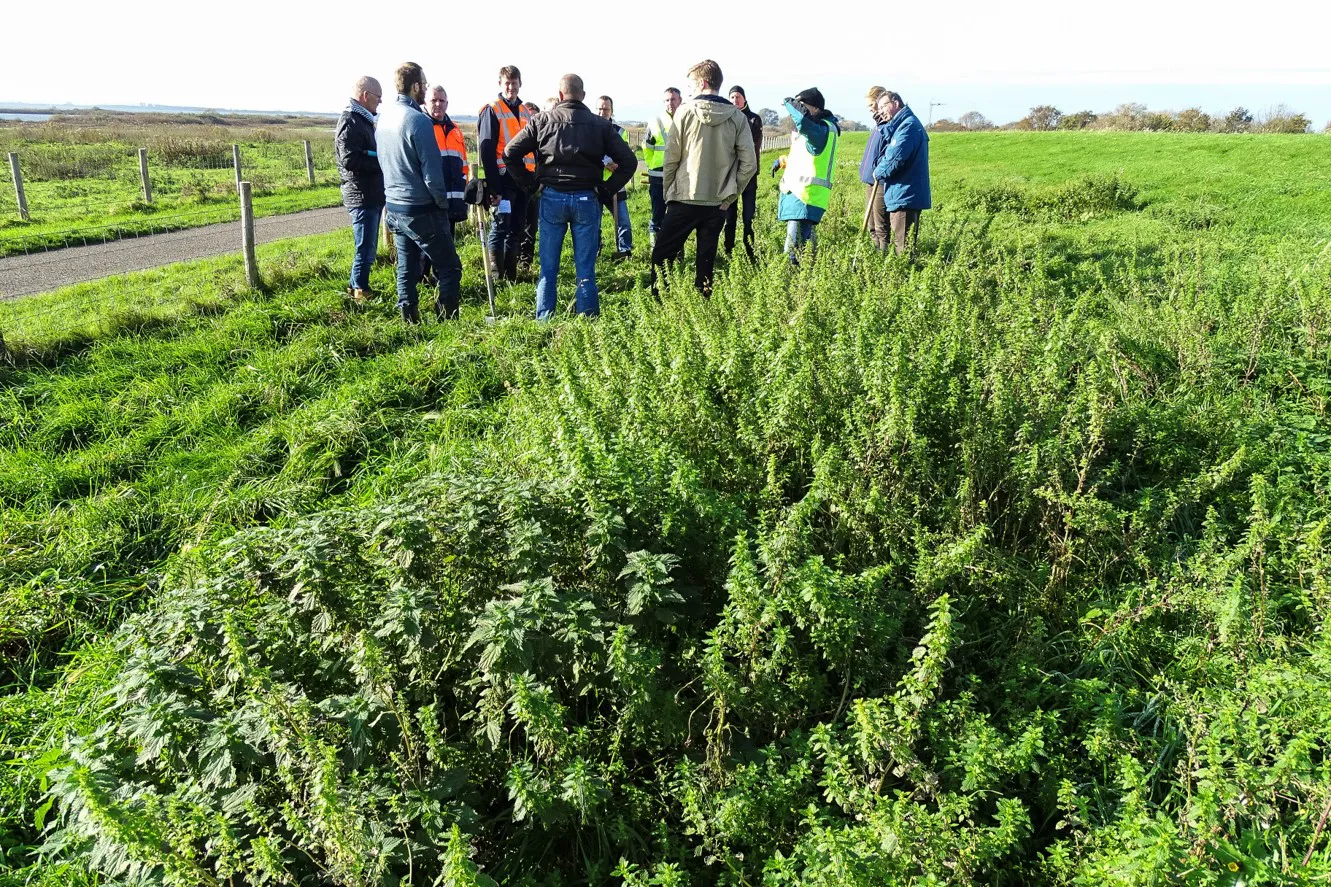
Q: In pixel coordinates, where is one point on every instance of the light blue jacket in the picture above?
(790, 208)
(903, 167)
(409, 158)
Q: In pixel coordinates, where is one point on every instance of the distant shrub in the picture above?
(1281, 119)
(1043, 118)
(1192, 120)
(975, 121)
(1158, 121)
(1238, 120)
(946, 125)
(1079, 120)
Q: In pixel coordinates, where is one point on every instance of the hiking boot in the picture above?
(444, 311)
(621, 257)
(360, 297)
(410, 314)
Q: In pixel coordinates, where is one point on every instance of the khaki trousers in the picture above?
(904, 225)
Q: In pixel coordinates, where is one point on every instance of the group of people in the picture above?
(543, 174)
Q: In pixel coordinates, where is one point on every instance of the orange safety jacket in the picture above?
(451, 144)
(509, 126)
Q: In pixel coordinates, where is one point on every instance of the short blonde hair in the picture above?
(875, 93)
(708, 71)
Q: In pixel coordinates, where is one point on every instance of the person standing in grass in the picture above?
(496, 126)
(749, 196)
(570, 144)
(653, 157)
(709, 160)
(903, 170)
(417, 198)
(362, 180)
(605, 109)
(453, 156)
(806, 185)
(878, 227)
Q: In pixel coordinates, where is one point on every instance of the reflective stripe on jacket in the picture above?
(654, 145)
(509, 126)
(453, 154)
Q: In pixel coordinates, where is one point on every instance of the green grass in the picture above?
(1075, 459)
(91, 193)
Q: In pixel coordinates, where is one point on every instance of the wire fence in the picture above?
(71, 193)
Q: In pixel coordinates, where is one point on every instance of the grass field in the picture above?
(83, 183)
(1006, 566)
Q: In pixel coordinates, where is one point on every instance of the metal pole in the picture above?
(143, 174)
(18, 186)
(309, 160)
(247, 236)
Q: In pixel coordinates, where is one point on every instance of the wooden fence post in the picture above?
(235, 162)
(18, 186)
(143, 174)
(309, 160)
(247, 236)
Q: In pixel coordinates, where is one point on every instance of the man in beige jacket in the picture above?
(709, 160)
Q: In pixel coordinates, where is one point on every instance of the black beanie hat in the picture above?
(740, 90)
(810, 96)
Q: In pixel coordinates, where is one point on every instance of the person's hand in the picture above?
(494, 200)
(612, 166)
(776, 164)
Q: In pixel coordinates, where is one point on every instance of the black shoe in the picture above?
(621, 257)
(444, 312)
(410, 314)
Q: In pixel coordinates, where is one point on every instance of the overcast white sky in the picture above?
(997, 58)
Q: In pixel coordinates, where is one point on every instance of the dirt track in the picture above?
(41, 272)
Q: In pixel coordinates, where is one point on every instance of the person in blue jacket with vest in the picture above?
(903, 170)
(806, 187)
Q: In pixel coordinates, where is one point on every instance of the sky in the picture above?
(996, 58)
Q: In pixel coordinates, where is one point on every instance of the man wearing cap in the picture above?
(903, 168)
(362, 180)
(806, 185)
(749, 197)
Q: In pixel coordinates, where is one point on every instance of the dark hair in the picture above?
(407, 75)
(672, 90)
(510, 72)
(606, 98)
(893, 96)
(708, 71)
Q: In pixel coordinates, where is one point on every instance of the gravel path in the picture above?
(40, 272)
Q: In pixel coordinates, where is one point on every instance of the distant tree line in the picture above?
(1138, 118)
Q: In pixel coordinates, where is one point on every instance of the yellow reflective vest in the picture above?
(809, 176)
(653, 147)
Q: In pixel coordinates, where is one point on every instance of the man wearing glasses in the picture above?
(362, 180)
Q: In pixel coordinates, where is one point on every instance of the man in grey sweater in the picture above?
(416, 197)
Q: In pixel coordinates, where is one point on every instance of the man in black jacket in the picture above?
(571, 144)
(749, 196)
(362, 180)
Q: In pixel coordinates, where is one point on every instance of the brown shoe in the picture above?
(360, 297)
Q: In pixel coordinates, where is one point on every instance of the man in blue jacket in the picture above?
(903, 170)
(416, 196)
(877, 214)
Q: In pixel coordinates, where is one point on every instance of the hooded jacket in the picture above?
(903, 166)
(709, 156)
(817, 130)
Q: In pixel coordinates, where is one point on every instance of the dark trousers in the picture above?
(749, 199)
(656, 191)
(905, 227)
(527, 249)
(428, 233)
(879, 226)
(681, 220)
(506, 232)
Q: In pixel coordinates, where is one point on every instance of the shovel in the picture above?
(485, 260)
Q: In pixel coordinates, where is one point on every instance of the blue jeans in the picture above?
(365, 232)
(560, 211)
(623, 227)
(428, 233)
(656, 191)
(798, 233)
